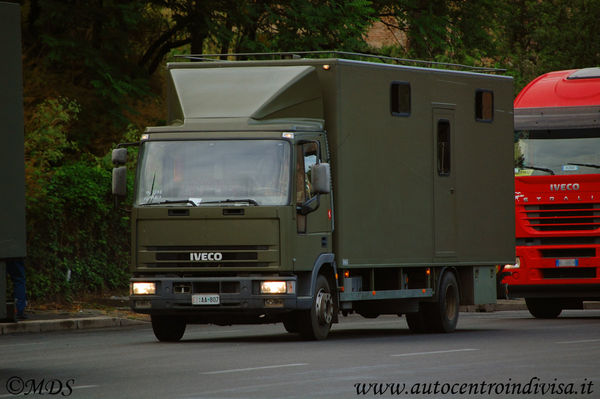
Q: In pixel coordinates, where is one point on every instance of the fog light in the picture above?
(273, 287)
(141, 288)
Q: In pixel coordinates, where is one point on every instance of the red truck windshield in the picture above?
(558, 152)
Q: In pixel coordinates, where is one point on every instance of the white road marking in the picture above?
(84, 386)
(24, 344)
(255, 368)
(583, 341)
(435, 352)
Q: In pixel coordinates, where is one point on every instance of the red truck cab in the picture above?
(557, 193)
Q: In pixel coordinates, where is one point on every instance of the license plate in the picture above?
(206, 299)
(566, 262)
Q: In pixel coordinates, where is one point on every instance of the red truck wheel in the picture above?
(543, 308)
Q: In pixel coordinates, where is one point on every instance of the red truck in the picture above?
(557, 193)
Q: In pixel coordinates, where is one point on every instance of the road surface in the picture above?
(502, 354)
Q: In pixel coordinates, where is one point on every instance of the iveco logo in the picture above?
(564, 187)
(205, 256)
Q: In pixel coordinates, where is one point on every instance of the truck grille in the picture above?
(569, 272)
(246, 256)
(563, 217)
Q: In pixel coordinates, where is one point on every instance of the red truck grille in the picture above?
(563, 217)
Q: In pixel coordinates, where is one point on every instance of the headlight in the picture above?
(517, 265)
(277, 287)
(140, 288)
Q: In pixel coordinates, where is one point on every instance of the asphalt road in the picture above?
(502, 354)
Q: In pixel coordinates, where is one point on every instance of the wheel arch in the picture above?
(325, 265)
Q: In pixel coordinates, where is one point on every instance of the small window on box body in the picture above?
(400, 99)
(484, 105)
(443, 147)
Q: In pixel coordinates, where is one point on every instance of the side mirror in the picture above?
(320, 178)
(119, 156)
(119, 181)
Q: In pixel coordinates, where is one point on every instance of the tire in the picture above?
(543, 308)
(291, 323)
(168, 328)
(417, 322)
(316, 322)
(443, 314)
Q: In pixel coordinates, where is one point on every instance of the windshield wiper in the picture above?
(227, 201)
(589, 165)
(538, 168)
(182, 201)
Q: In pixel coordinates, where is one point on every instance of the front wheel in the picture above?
(317, 321)
(543, 308)
(168, 328)
(291, 322)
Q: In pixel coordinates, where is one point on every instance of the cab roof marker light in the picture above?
(287, 135)
(144, 137)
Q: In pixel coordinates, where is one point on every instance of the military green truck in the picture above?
(293, 190)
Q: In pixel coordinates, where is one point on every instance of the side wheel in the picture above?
(168, 328)
(443, 314)
(316, 323)
(543, 308)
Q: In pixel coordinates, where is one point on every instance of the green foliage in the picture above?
(77, 242)
(46, 140)
(318, 25)
(93, 47)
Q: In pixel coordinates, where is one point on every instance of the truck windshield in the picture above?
(558, 152)
(254, 172)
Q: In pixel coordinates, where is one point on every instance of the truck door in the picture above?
(444, 170)
(313, 228)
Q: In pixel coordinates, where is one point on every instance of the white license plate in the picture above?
(566, 262)
(206, 299)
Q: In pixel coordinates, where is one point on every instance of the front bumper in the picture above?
(590, 292)
(240, 299)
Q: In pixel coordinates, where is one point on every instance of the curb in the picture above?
(82, 323)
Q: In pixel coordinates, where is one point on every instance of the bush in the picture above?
(78, 243)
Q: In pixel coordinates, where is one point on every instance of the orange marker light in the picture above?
(373, 292)
(428, 271)
(346, 273)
